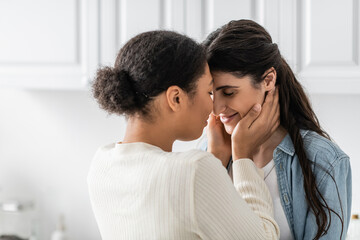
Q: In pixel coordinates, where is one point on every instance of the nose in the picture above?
(219, 105)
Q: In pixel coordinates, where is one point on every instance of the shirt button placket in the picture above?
(281, 168)
(286, 198)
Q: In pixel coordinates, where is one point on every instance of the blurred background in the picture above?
(50, 127)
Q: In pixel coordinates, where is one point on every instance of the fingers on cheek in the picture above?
(212, 122)
(217, 119)
(211, 119)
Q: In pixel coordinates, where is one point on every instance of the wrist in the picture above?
(238, 153)
(242, 156)
(224, 155)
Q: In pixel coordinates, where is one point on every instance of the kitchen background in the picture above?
(50, 127)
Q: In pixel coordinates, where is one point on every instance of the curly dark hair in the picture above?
(147, 65)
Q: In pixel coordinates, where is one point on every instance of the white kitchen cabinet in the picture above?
(48, 44)
(323, 50)
(59, 44)
(319, 39)
(328, 45)
(123, 19)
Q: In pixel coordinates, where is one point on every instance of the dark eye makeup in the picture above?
(227, 93)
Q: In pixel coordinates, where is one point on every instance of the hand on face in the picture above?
(256, 127)
(219, 141)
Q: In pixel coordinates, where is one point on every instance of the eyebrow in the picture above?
(211, 82)
(225, 86)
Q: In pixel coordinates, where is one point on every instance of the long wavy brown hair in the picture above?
(244, 47)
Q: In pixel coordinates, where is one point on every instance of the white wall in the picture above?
(47, 140)
(340, 117)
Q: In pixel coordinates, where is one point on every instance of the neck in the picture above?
(265, 153)
(154, 133)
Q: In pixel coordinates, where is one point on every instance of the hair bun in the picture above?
(114, 91)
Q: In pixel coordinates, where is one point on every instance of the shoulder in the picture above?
(326, 156)
(201, 165)
(143, 150)
(318, 149)
(321, 149)
(103, 152)
(105, 148)
(195, 157)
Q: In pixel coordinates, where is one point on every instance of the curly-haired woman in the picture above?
(139, 188)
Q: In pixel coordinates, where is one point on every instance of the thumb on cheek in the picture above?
(211, 120)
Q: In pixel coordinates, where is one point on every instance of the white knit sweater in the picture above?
(138, 191)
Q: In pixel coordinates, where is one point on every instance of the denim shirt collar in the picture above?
(287, 145)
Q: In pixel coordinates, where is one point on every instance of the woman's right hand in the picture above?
(219, 141)
(256, 127)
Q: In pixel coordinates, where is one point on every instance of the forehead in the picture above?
(225, 78)
(206, 78)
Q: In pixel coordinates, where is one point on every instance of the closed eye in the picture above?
(226, 87)
(227, 94)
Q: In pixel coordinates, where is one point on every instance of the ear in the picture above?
(269, 79)
(175, 97)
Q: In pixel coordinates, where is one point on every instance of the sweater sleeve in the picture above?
(224, 212)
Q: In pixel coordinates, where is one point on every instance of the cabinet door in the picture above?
(276, 16)
(48, 43)
(123, 19)
(328, 45)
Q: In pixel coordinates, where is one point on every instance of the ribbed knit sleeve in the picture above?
(224, 212)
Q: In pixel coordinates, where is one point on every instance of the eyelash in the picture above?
(227, 94)
(211, 93)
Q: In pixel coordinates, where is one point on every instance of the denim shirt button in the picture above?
(286, 198)
(281, 166)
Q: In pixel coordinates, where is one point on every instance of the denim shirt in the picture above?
(327, 158)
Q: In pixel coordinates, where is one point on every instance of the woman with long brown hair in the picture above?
(308, 175)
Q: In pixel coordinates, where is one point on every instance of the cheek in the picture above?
(204, 108)
(209, 104)
(204, 104)
(240, 105)
(244, 103)
(200, 109)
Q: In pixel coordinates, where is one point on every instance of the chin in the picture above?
(229, 129)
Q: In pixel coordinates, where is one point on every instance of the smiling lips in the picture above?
(228, 118)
